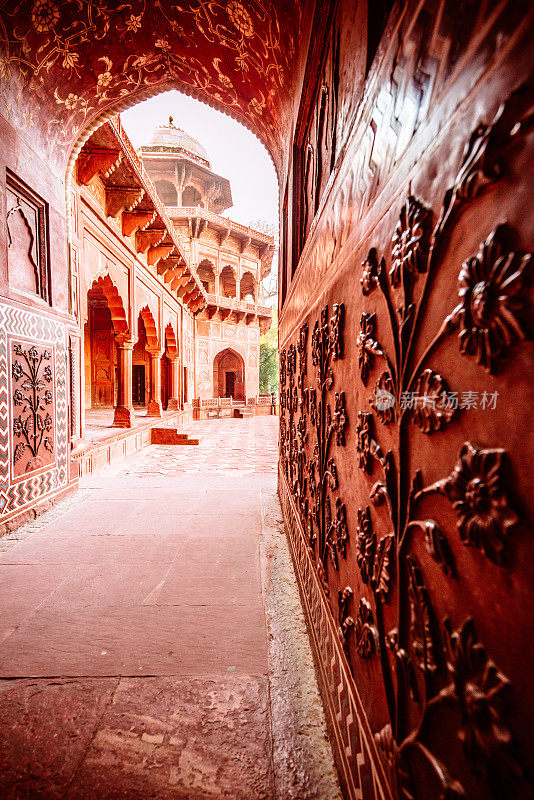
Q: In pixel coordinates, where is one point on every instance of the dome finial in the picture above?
(171, 122)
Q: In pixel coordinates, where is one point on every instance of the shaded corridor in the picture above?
(133, 619)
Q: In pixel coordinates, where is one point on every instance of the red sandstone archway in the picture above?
(228, 283)
(89, 63)
(104, 287)
(206, 274)
(247, 286)
(106, 319)
(171, 344)
(152, 338)
(170, 370)
(229, 374)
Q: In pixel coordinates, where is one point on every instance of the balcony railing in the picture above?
(226, 402)
(150, 190)
(210, 216)
(238, 305)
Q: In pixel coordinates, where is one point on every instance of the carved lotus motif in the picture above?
(368, 280)
(340, 418)
(477, 690)
(366, 633)
(336, 327)
(475, 490)
(490, 285)
(365, 544)
(16, 370)
(410, 241)
(283, 361)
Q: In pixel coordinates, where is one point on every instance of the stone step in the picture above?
(170, 436)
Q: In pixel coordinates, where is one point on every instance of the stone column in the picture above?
(217, 283)
(124, 413)
(173, 403)
(238, 288)
(154, 402)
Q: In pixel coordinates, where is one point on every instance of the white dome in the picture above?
(168, 139)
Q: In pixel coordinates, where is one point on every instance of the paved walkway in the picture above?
(133, 620)
(99, 423)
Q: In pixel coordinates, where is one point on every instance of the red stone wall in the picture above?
(34, 321)
(406, 394)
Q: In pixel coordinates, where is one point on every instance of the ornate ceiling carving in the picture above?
(82, 61)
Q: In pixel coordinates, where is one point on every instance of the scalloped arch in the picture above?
(105, 286)
(170, 340)
(151, 328)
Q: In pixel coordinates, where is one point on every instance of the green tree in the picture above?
(269, 358)
(269, 297)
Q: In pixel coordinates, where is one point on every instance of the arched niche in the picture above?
(229, 374)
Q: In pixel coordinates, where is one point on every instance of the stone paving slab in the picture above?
(48, 726)
(142, 640)
(181, 739)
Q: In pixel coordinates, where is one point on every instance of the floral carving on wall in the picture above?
(312, 424)
(33, 407)
(235, 54)
(435, 666)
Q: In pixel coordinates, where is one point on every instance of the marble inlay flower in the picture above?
(490, 287)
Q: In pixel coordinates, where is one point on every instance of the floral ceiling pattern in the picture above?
(83, 58)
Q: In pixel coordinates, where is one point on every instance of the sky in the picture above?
(234, 152)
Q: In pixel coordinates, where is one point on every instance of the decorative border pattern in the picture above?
(352, 741)
(16, 321)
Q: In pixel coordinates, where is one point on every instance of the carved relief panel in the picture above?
(32, 407)
(410, 531)
(316, 144)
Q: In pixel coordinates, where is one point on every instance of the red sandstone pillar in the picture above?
(173, 403)
(154, 403)
(124, 414)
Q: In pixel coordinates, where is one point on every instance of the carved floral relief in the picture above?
(32, 375)
(428, 666)
(488, 322)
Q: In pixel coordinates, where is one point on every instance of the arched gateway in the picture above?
(229, 375)
(402, 137)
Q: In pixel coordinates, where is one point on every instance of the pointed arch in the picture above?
(151, 328)
(226, 363)
(171, 342)
(104, 287)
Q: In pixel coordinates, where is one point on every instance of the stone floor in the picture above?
(139, 636)
(99, 421)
